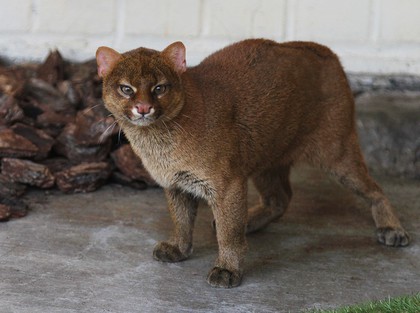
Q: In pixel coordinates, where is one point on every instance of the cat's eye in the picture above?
(126, 90)
(159, 90)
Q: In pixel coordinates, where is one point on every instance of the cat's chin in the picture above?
(142, 122)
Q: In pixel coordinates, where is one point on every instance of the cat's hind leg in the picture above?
(351, 171)
(275, 192)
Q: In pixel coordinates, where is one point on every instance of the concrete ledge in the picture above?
(389, 130)
(368, 82)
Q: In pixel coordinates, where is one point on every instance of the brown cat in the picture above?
(250, 110)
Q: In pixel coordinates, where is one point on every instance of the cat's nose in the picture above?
(143, 108)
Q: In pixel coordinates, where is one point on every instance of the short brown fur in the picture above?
(250, 110)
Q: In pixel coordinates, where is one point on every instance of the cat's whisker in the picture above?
(92, 108)
(166, 126)
(110, 128)
(179, 127)
(119, 134)
(187, 116)
(105, 118)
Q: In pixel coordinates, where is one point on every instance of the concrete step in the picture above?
(389, 131)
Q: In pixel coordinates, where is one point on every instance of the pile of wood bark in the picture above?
(56, 133)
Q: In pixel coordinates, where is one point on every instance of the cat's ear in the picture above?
(106, 58)
(176, 54)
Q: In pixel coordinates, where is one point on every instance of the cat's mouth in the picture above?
(142, 120)
(140, 116)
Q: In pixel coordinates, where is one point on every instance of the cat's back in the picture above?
(253, 53)
(260, 67)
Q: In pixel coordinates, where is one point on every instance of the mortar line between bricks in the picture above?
(34, 23)
(119, 23)
(375, 20)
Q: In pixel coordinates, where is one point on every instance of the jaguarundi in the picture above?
(249, 111)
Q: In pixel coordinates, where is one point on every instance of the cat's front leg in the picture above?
(230, 213)
(183, 209)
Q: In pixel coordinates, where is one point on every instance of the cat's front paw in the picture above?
(395, 237)
(222, 278)
(166, 252)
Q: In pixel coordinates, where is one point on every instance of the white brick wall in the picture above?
(15, 15)
(74, 17)
(400, 21)
(333, 21)
(242, 19)
(379, 36)
(162, 18)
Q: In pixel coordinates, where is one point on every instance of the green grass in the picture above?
(405, 304)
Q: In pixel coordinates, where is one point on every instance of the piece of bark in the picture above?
(10, 111)
(8, 81)
(17, 207)
(87, 139)
(85, 177)
(121, 179)
(68, 145)
(12, 78)
(56, 164)
(82, 72)
(15, 146)
(94, 125)
(46, 106)
(38, 137)
(46, 97)
(53, 69)
(130, 165)
(5, 212)
(53, 123)
(57, 109)
(85, 79)
(10, 189)
(68, 89)
(27, 172)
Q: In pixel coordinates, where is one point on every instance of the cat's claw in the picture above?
(222, 278)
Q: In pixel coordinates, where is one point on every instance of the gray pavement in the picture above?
(93, 253)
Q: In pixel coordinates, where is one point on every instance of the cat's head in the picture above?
(143, 86)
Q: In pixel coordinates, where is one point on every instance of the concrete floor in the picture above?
(93, 253)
